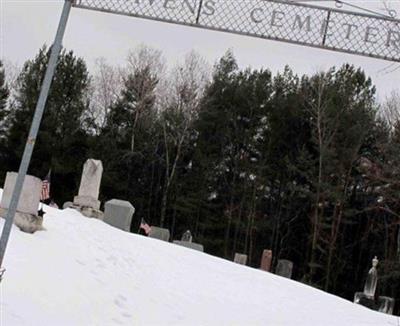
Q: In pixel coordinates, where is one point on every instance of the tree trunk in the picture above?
(169, 175)
(228, 229)
(149, 203)
(173, 224)
(164, 203)
(237, 226)
(251, 244)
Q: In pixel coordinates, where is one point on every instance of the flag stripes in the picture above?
(146, 228)
(45, 194)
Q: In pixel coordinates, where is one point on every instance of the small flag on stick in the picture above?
(45, 194)
(146, 228)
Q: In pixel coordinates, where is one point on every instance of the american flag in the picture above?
(146, 228)
(45, 194)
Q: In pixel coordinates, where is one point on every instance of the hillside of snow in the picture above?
(82, 271)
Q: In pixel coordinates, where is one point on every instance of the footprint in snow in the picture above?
(126, 315)
(117, 321)
(119, 303)
(121, 297)
(99, 280)
(80, 262)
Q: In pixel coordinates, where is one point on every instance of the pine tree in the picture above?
(4, 93)
(61, 143)
(186, 89)
(228, 125)
(132, 141)
(341, 104)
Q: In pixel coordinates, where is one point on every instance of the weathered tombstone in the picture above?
(119, 213)
(240, 259)
(284, 268)
(187, 236)
(367, 298)
(159, 233)
(364, 300)
(386, 305)
(26, 216)
(372, 279)
(187, 241)
(191, 245)
(87, 200)
(68, 204)
(266, 260)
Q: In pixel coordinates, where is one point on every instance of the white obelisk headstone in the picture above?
(87, 200)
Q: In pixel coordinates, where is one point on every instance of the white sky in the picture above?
(27, 25)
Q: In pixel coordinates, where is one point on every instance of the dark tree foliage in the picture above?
(62, 142)
(130, 148)
(4, 94)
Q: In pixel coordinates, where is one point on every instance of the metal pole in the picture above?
(37, 118)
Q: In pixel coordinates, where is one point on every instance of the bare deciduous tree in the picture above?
(144, 71)
(188, 82)
(145, 57)
(105, 88)
(12, 71)
(323, 135)
(390, 110)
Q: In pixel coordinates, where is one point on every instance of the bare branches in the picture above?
(186, 87)
(390, 110)
(105, 88)
(187, 84)
(12, 71)
(145, 57)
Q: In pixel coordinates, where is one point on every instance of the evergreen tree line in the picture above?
(307, 166)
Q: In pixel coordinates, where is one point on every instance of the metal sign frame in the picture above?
(297, 23)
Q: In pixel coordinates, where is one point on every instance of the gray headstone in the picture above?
(191, 245)
(383, 304)
(284, 268)
(68, 204)
(187, 236)
(240, 259)
(26, 217)
(159, 233)
(119, 213)
(90, 185)
(365, 300)
(30, 195)
(266, 260)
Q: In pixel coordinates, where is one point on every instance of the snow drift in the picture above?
(82, 271)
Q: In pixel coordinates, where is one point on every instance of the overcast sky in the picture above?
(27, 25)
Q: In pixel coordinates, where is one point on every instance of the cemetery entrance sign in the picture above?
(314, 26)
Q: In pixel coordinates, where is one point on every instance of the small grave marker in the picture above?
(240, 259)
(119, 213)
(284, 268)
(26, 216)
(266, 260)
(159, 233)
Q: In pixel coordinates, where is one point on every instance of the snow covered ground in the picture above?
(82, 271)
